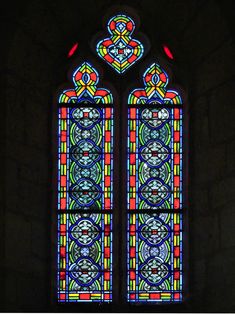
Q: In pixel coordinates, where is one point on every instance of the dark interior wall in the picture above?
(200, 33)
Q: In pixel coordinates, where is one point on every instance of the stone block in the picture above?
(42, 26)
(18, 235)
(40, 240)
(220, 282)
(199, 201)
(167, 23)
(29, 163)
(227, 226)
(230, 156)
(207, 240)
(26, 292)
(15, 125)
(30, 55)
(209, 164)
(222, 192)
(199, 123)
(214, 70)
(220, 300)
(32, 200)
(204, 33)
(201, 134)
(11, 293)
(28, 112)
(198, 272)
(27, 191)
(222, 113)
(20, 238)
(11, 183)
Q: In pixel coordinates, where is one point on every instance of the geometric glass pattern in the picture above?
(120, 50)
(85, 190)
(154, 191)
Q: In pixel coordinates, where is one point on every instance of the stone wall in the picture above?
(40, 34)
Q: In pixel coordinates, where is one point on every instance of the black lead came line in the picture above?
(111, 105)
(84, 211)
(84, 105)
(155, 106)
(129, 211)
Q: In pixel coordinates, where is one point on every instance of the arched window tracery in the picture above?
(154, 190)
(154, 165)
(120, 50)
(85, 183)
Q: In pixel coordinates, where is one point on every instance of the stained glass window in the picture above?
(154, 195)
(85, 190)
(120, 50)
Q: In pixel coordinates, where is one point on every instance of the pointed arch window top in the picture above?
(85, 190)
(85, 79)
(120, 50)
(155, 90)
(155, 191)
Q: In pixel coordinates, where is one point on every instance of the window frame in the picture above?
(133, 76)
